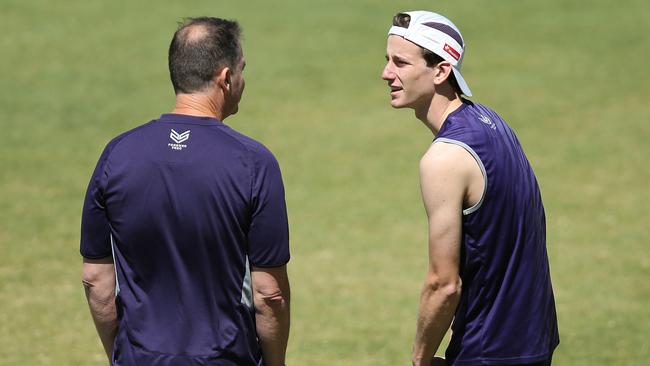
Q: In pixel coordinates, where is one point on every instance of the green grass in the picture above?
(569, 76)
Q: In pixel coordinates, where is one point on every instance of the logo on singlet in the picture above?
(487, 121)
(178, 138)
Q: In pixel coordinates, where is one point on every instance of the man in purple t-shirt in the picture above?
(488, 266)
(184, 229)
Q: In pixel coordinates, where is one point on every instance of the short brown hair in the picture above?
(193, 59)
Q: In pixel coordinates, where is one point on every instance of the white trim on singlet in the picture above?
(246, 290)
(117, 283)
(469, 210)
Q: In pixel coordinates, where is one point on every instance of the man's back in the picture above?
(189, 203)
(506, 314)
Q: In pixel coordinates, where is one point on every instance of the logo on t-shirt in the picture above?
(178, 138)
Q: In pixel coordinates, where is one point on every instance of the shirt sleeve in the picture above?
(268, 237)
(95, 229)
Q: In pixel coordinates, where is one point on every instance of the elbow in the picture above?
(449, 288)
(97, 271)
(89, 278)
(271, 299)
(271, 290)
(92, 277)
(99, 284)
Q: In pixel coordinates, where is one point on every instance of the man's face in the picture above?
(408, 76)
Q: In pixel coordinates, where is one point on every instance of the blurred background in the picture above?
(571, 77)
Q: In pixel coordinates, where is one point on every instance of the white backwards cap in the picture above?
(438, 35)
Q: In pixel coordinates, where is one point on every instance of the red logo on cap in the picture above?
(451, 51)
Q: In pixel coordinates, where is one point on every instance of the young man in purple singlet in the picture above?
(488, 265)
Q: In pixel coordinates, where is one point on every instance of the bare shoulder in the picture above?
(446, 159)
(450, 170)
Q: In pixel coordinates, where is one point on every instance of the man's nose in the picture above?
(388, 73)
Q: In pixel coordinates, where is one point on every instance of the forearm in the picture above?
(272, 319)
(99, 285)
(102, 308)
(437, 307)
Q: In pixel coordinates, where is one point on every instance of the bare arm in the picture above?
(99, 284)
(271, 295)
(448, 175)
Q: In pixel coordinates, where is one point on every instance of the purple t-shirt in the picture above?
(506, 313)
(185, 205)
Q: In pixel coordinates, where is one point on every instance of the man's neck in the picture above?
(440, 107)
(199, 105)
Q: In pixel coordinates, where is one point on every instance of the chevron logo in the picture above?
(179, 137)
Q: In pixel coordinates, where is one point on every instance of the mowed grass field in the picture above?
(570, 76)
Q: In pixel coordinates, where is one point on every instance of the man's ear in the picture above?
(223, 78)
(441, 72)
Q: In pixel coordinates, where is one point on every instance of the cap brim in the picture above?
(462, 83)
